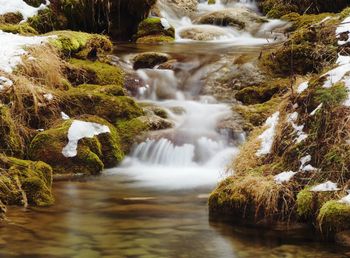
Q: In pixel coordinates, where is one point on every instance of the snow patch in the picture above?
(301, 136)
(344, 27)
(345, 199)
(284, 177)
(64, 116)
(302, 87)
(79, 130)
(5, 83)
(268, 135)
(14, 6)
(48, 96)
(325, 187)
(11, 48)
(316, 109)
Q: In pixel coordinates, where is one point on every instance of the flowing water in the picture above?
(155, 203)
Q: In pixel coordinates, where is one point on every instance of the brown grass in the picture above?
(44, 66)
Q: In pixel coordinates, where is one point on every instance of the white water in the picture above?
(195, 152)
(221, 34)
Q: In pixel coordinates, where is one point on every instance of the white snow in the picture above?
(5, 83)
(11, 49)
(165, 23)
(284, 177)
(268, 135)
(345, 199)
(316, 109)
(64, 116)
(309, 168)
(302, 87)
(304, 160)
(48, 96)
(301, 136)
(325, 187)
(79, 130)
(344, 27)
(341, 72)
(14, 6)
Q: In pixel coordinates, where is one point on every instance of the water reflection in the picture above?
(110, 217)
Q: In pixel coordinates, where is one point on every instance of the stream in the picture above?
(155, 203)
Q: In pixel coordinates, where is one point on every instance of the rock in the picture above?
(343, 238)
(94, 101)
(152, 30)
(203, 33)
(25, 182)
(180, 7)
(155, 122)
(240, 18)
(93, 154)
(84, 71)
(149, 60)
(111, 17)
(169, 65)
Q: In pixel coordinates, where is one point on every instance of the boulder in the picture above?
(239, 18)
(149, 60)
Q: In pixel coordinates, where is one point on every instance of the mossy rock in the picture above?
(278, 8)
(149, 60)
(129, 131)
(334, 217)
(109, 90)
(93, 154)
(11, 142)
(309, 203)
(23, 176)
(22, 29)
(256, 115)
(153, 27)
(260, 94)
(80, 101)
(80, 44)
(94, 72)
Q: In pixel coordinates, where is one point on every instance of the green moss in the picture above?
(259, 94)
(23, 29)
(332, 96)
(129, 131)
(80, 101)
(81, 44)
(101, 73)
(11, 142)
(256, 115)
(33, 178)
(111, 148)
(309, 203)
(109, 90)
(300, 21)
(211, 1)
(334, 217)
(154, 27)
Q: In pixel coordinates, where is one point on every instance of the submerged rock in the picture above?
(149, 60)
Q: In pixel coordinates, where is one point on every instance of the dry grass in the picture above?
(264, 198)
(44, 66)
